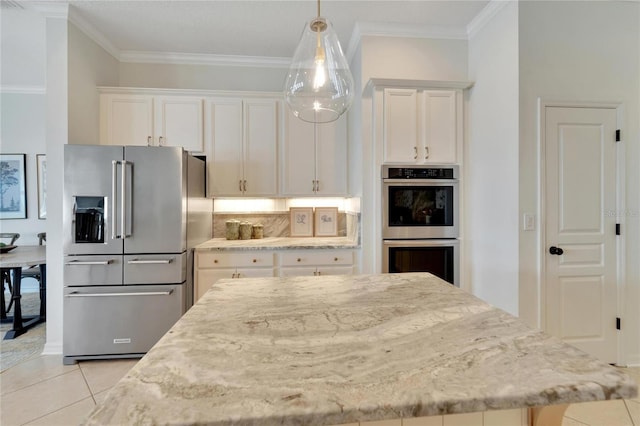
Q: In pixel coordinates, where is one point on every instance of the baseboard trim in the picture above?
(52, 348)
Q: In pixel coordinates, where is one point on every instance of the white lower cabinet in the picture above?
(213, 266)
(316, 262)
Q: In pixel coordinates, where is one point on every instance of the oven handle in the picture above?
(422, 243)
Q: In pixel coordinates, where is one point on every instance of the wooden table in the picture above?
(327, 350)
(12, 263)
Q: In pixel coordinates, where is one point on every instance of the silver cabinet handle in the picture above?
(426, 152)
(114, 171)
(142, 293)
(244, 186)
(149, 261)
(415, 152)
(89, 262)
(123, 195)
(240, 185)
(149, 141)
(160, 141)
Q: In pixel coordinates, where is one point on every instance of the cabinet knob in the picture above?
(335, 259)
(254, 260)
(215, 260)
(299, 260)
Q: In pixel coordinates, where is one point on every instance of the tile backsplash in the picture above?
(276, 224)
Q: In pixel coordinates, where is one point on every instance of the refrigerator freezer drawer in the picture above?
(92, 270)
(103, 321)
(155, 268)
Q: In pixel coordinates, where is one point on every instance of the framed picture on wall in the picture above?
(41, 165)
(13, 186)
(326, 221)
(301, 221)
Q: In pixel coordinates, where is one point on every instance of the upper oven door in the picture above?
(419, 208)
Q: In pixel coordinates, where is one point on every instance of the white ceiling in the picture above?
(258, 28)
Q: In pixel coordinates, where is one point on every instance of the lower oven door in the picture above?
(439, 257)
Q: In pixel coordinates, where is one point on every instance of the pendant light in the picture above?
(319, 86)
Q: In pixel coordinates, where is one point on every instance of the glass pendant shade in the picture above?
(319, 86)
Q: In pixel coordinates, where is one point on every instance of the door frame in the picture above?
(543, 103)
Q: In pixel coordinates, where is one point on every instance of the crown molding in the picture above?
(204, 59)
(485, 16)
(23, 90)
(385, 29)
(92, 33)
(50, 9)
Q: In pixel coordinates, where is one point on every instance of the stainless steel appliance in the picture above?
(131, 217)
(420, 214)
(420, 201)
(438, 256)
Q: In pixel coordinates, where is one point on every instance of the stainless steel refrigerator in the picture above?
(131, 218)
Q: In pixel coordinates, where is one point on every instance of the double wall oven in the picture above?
(420, 220)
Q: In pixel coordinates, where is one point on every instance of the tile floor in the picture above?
(43, 391)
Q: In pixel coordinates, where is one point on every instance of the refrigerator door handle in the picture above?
(141, 293)
(149, 261)
(89, 262)
(123, 198)
(114, 172)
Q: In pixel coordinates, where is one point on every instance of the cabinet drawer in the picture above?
(234, 260)
(155, 268)
(324, 257)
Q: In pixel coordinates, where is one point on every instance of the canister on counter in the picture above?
(258, 231)
(245, 230)
(232, 229)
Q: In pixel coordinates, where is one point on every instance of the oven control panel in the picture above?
(398, 172)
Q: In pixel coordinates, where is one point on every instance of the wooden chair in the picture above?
(11, 238)
(34, 271)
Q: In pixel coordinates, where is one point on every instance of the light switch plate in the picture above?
(529, 222)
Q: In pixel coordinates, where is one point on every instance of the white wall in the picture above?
(581, 51)
(206, 77)
(89, 66)
(57, 136)
(394, 58)
(491, 162)
(23, 106)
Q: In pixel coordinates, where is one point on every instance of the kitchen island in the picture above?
(338, 349)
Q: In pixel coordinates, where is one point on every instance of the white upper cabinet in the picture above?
(241, 145)
(178, 121)
(314, 157)
(420, 126)
(137, 119)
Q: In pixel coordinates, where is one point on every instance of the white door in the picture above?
(580, 253)
(401, 126)
(439, 127)
(178, 122)
(260, 147)
(299, 170)
(126, 119)
(224, 146)
(331, 157)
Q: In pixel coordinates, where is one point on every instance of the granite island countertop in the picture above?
(338, 349)
(279, 243)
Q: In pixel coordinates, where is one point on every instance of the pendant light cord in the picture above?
(318, 8)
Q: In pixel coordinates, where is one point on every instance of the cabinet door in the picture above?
(298, 272)
(400, 125)
(331, 157)
(178, 122)
(439, 126)
(260, 147)
(335, 270)
(224, 146)
(126, 119)
(298, 156)
(205, 278)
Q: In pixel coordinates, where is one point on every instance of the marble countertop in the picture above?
(338, 349)
(279, 243)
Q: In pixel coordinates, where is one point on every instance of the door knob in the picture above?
(555, 250)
